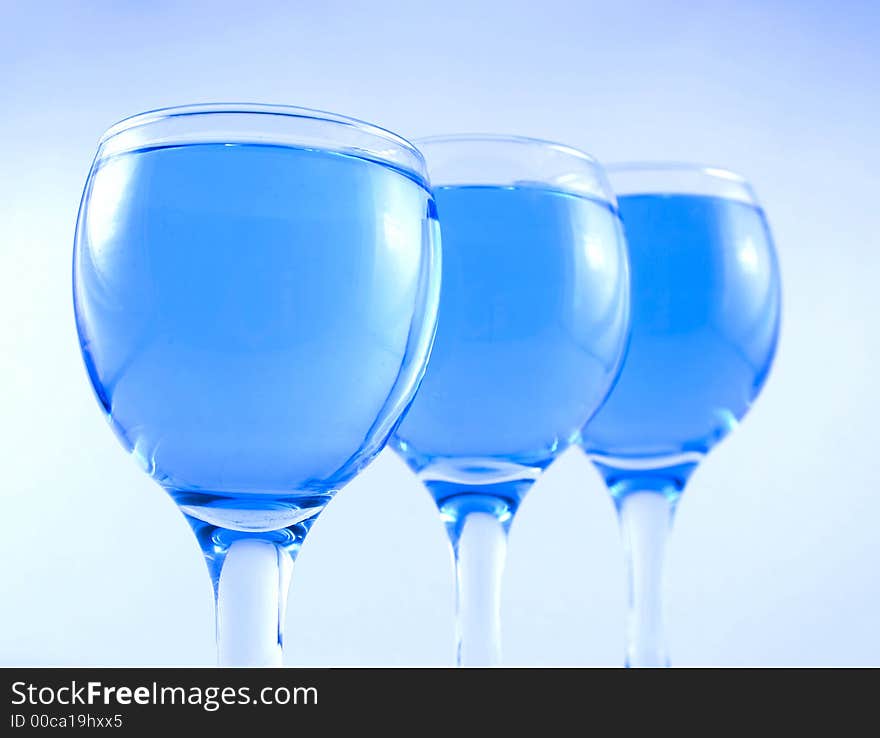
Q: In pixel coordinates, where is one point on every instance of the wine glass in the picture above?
(532, 326)
(705, 324)
(255, 291)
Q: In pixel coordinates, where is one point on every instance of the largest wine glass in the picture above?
(533, 321)
(705, 322)
(255, 291)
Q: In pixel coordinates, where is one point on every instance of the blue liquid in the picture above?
(705, 322)
(254, 318)
(532, 325)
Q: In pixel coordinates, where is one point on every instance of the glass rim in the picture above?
(727, 180)
(506, 160)
(181, 112)
(507, 138)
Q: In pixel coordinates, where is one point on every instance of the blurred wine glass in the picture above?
(705, 324)
(532, 325)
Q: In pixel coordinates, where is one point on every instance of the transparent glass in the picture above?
(706, 306)
(256, 293)
(533, 324)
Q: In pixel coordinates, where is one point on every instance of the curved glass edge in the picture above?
(241, 123)
(643, 178)
(487, 159)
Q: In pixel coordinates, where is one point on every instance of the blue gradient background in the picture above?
(776, 551)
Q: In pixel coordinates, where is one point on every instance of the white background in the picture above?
(775, 554)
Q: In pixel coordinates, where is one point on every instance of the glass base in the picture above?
(220, 520)
(667, 475)
(495, 489)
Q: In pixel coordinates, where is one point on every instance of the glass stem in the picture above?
(645, 521)
(251, 599)
(480, 550)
